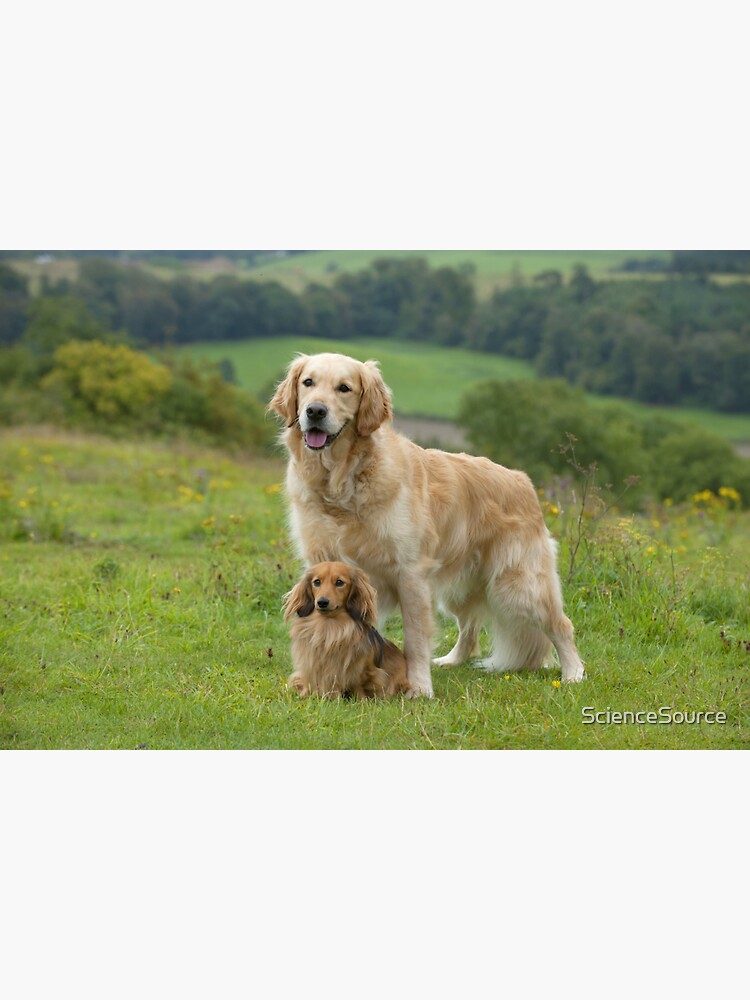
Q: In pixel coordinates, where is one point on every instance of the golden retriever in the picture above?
(336, 649)
(422, 523)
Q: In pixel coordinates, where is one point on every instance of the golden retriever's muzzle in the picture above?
(315, 426)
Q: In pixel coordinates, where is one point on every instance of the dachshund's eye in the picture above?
(316, 583)
(344, 388)
(308, 382)
(340, 583)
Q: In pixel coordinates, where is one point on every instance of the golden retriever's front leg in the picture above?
(416, 609)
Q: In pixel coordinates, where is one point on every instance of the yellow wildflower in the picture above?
(705, 496)
(555, 684)
(729, 493)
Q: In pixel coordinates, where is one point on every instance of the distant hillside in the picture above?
(493, 269)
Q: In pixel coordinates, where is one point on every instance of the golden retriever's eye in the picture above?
(340, 583)
(307, 382)
(344, 388)
(316, 583)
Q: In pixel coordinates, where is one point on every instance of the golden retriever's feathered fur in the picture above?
(336, 649)
(422, 523)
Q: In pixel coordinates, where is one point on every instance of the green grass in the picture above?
(140, 595)
(426, 380)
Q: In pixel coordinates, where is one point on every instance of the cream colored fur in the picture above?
(425, 525)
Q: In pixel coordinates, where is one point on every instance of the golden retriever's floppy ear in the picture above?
(299, 600)
(284, 401)
(362, 602)
(375, 404)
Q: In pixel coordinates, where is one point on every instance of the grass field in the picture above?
(426, 380)
(141, 585)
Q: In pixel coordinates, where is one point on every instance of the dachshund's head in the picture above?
(333, 588)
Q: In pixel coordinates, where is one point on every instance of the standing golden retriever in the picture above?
(422, 523)
(336, 648)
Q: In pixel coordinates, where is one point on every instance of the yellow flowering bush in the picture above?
(111, 381)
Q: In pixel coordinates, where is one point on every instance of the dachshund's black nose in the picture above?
(317, 412)
(323, 603)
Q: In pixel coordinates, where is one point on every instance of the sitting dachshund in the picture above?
(336, 649)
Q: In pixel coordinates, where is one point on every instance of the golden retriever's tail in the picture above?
(518, 645)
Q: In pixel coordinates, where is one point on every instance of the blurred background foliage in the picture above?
(87, 339)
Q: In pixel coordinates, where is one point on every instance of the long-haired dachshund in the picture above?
(336, 649)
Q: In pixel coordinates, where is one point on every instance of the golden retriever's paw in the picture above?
(578, 675)
(446, 661)
(420, 691)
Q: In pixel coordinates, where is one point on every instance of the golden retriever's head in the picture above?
(333, 588)
(327, 393)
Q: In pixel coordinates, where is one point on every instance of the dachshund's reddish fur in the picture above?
(336, 649)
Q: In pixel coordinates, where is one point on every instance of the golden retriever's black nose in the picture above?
(323, 603)
(316, 411)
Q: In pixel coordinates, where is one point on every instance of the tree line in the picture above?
(682, 338)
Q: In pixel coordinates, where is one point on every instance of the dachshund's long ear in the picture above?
(362, 602)
(299, 600)
(284, 401)
(375, 405)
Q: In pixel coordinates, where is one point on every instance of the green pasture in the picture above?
(493, 268)
(426, 380)
(140, 596)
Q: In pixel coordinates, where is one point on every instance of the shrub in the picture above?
(97, 380)
(527, 425)
(114, 389)
(202, 401)
(532, 425)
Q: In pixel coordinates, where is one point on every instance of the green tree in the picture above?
(14, 301)
(582, 284)
(526, 424)
(55, 320)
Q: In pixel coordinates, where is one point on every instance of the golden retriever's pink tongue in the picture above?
(316, 439)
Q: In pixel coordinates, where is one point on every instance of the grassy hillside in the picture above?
(494, 268)
(141, 588)
(426, 380)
